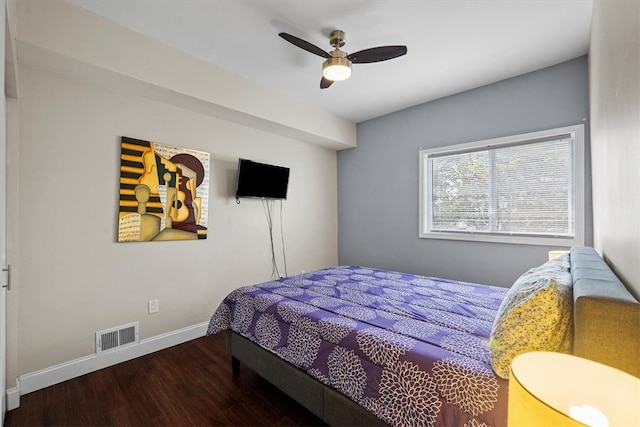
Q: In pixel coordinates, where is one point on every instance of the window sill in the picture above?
(511, 239)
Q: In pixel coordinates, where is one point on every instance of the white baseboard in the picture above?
(13, 397)
(37, 380)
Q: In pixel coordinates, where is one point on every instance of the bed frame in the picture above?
(322, 400)
(606, 329)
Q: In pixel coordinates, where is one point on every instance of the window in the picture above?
(519, 189)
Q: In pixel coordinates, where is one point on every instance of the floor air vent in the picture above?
(118, 337)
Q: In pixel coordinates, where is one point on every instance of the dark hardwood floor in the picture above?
(186, 385)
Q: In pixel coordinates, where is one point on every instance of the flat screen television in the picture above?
(261, 180)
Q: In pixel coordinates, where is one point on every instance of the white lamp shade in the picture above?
(556, 389)
(556, 254)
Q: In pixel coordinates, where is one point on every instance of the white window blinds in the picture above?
(515, 187)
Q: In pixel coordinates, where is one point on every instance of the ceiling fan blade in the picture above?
(377, 54)
(325, 83)
(305, 45)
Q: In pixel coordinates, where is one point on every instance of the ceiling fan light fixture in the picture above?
(336, 69)
(337, 64)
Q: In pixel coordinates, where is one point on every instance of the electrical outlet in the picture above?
(153, 306)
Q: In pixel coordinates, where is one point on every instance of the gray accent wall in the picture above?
(378, 180)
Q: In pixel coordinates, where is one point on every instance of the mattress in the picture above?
(412, 350)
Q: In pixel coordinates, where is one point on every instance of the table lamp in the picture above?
(556, 389)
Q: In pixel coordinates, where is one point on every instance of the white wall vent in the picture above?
(118, 337)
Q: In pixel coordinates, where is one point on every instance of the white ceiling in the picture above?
(453, 45)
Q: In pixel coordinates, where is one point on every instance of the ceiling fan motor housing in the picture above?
(337, 38)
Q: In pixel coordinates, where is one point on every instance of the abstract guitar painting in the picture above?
(164, 192)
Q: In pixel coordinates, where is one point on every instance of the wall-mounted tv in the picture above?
(261, 180)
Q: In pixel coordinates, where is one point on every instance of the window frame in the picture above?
(425, 189)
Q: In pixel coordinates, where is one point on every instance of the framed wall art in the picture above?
(164, 192)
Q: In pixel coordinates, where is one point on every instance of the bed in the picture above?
(363, 346)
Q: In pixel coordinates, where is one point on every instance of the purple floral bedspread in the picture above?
(413, 350)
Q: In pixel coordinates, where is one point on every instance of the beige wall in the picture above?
(74, 279)
(70, 277)
(614, 66)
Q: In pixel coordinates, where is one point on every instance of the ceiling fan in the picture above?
(338, 64)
